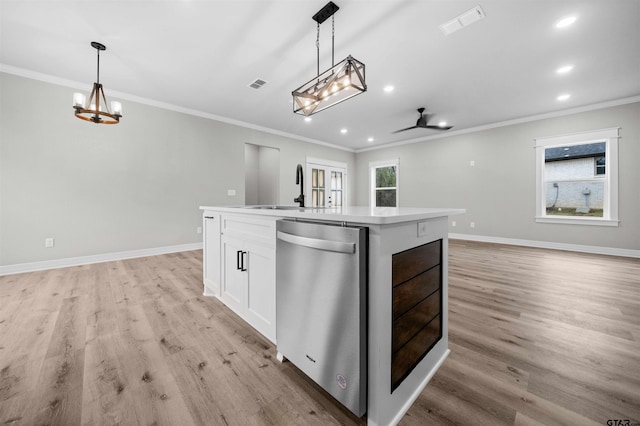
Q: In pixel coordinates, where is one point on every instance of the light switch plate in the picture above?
(231, 192)
(422, 229)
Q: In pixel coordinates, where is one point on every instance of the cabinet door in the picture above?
(261, 289)
(233, 291)
(211, 254)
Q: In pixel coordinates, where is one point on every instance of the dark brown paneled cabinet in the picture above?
(417, 307)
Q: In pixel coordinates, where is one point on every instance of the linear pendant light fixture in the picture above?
(90, 111)
(342, 81)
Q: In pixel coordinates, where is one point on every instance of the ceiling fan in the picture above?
(422, 123)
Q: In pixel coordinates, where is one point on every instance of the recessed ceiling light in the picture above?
(370, 140)
(307, 119)
(442, 123)
(388, 89)
(565, 22)
(564, 69)
(563, 97)
(343, 131)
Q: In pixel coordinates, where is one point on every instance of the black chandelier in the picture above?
(342, 81)
(91, 110)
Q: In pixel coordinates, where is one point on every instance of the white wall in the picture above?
(262, 174)
(251, 174)
(268, 175)
(109, 188)
(499, 191)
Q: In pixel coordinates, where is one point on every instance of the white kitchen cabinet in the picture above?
(211, 250)
(233, 279)
(246, 260)
(261, 289)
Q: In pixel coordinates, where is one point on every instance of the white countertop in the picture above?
(353, 214)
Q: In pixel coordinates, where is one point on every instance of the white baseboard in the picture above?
(131, 254)
(611, 251)
(85, 260)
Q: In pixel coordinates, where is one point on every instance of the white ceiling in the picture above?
(202, 55)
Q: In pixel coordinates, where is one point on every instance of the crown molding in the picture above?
(33, 75)
(562, 113)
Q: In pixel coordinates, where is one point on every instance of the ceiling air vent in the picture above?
(465, 19)
(258, 83)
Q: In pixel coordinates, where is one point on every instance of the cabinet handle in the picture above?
(242, 268)
(238, 255)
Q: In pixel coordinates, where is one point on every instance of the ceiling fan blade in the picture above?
(408, 128)
(439, 127)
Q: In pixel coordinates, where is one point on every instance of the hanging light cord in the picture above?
(98, 77)
(333, 36)
(318, 50)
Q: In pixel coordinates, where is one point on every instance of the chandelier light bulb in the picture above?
(116, 107)
(79, 99)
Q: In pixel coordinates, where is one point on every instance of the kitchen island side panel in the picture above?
(385, 407)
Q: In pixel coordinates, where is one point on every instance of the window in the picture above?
(384, 177)
(600, 163)
(577, 178)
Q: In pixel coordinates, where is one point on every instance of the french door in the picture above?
(326, 183)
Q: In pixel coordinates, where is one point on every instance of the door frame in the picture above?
(315, 162)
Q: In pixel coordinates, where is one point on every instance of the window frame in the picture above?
(373, 165)
(610, 211)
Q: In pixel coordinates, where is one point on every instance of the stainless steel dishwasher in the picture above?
(321, 305)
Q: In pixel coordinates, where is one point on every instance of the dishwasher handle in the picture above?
(315, 243)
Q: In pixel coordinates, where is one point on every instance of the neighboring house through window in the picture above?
(383, 178)
(577, 178)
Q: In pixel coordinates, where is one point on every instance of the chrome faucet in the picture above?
(300, 181)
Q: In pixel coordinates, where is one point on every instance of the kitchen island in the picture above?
(407, 318)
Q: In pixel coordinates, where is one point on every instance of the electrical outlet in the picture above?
(199, 230)
(422, 229)
(453, 223)
(49, 242)
(472, 224)
(231, 192)
(472, 163)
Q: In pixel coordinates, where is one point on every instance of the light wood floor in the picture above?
(537, 337)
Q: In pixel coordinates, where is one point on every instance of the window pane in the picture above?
(600, 166)
(575, 198)
(320, 178)
(314, 198)
(569, 173)
(338, 199)
(314, 178)
(386, 177)
(338, 180)
(320, 198)
(385, 198)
